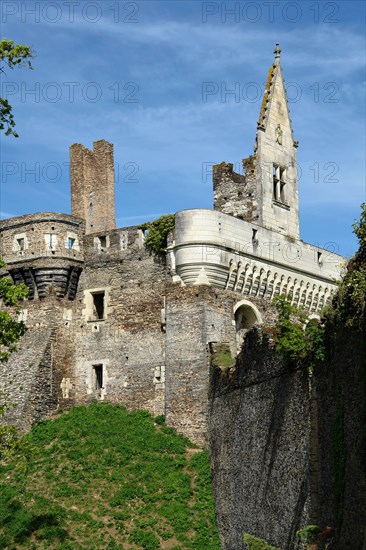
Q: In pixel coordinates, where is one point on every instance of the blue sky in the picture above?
(135, 73)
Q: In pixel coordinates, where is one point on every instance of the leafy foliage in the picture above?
(158, 230)
(222, 357)
(10, 329)
(313, 535)
(298, 338)
(255, 543)
(10, 332)
(101, 477)
(349, 304)
(13, 55)
(309, 533)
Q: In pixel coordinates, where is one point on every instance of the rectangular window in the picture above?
(98, 377)
(103, 242)
(21, 244)
(275, 182)
(51, 242)
(71, 243)
(98, 305)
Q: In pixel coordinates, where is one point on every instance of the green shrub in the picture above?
(298, 339)
(309, 533)
(222, 358)
(158, 230)
(255, 543)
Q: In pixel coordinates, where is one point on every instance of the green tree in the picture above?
(349, 303)
(11, 55)
(10, 332)
(299, 339)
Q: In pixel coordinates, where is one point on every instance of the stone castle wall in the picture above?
(259, 442)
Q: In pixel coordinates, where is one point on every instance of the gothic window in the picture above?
(71, 243)
(279, 184)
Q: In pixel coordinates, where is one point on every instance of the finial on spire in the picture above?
(277, 52)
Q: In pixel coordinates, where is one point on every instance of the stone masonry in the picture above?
(125, 325)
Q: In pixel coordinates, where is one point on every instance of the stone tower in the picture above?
(92, 186)
(276, 158)
(267, 191)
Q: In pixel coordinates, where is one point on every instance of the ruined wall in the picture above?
(128, 341)
(341, 397)
(92, 185)
(236, 194)
(31, 378)
(197, 317)
(259, 430)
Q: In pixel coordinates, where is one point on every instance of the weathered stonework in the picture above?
(109, 320)
(92, 185)
(135, 328)
(259, 441)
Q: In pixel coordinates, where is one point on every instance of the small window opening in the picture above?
(279, 184)
(51, 242)
(98, 376)
(254, 236)
(320, 258)
(275, 182)
(21, 244)
(98, 305)
(103, 241)
(71, 243)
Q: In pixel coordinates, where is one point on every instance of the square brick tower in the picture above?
(92, 186)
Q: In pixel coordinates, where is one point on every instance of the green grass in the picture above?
(101, 477)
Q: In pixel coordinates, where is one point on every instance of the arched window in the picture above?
(246, 315)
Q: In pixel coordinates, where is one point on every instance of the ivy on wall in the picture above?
(157, 232)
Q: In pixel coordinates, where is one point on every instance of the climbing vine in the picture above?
(349, 303)
(298, 339)
(157, 232)
(10, 332)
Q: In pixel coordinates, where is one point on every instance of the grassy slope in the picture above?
(100, 477)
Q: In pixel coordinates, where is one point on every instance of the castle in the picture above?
(109, 320)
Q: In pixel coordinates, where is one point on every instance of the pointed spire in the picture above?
(277, 52)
